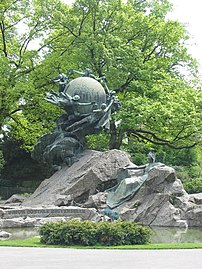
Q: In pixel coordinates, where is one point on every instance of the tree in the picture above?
(17, 164)
(142, 54)
(2, 161)
(23, 113)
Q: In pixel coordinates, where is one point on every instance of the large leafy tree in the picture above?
(22, 111)
(141, 53)
(144, 57)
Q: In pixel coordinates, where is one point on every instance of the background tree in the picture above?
(22, 110)
(24, 116)
(133, 44)
(142, 54)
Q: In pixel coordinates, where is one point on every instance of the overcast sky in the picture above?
(190, 13)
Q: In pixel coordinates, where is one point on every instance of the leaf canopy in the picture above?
(141, 52)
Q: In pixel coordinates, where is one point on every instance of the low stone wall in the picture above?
(47, 212)
(35, 217)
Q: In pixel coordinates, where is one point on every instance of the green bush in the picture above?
(134, 234)
(87, 233)
(193, 186)
(68, 233)
(2, 161)
(191, 178)
(109, 234)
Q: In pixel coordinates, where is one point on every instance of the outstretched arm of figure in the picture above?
(77, 72)
(52, 99)
(106, 109)
(104, 81)
(77, 124)
(61, 100)
(66, 96)
(60, 78)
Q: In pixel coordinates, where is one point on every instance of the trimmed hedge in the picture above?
(87, 233)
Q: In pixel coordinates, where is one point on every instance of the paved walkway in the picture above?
(37, 258)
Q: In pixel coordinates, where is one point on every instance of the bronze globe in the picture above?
(88, 89)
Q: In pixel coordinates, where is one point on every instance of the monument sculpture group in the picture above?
(88, 104)
(96, 185)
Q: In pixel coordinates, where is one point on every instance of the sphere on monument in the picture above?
(88, 89)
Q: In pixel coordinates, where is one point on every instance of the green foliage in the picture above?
(35, 242)
(22, 109)
(142, 54)
(134, 234)
(193, 186)
(2, 161)
(181, 157)
(132, 43)
(191, 177)
(187, 163)
(98, 141)
(109, 234)
(19, 166)
(87, 233)
(70, 233)
(174, 157)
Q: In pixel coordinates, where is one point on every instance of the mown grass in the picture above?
(35, 242)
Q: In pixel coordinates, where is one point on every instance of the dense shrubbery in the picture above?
(16, 164)
(187, 162)
(2, 161)
(191, 178)
(193, 186)
(87, 233)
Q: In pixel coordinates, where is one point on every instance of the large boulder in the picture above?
(18, 223)
(162, 201)
(94, 172)
(194, 214)
(18, 216)
(108, 181)
(15, 199)
(4, 234)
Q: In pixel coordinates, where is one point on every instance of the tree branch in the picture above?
(125, 85)
(157, 140)
(2, 27)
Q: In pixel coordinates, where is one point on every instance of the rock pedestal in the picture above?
(110, 184)
(94, 172)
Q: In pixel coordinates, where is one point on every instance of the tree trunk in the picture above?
(116, 136)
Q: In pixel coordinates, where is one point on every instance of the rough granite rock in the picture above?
(15, 199)
(194, 216)
(17, 223)
(94, 172)
(159, 201)
(18, 216)
(196, 198)
(97, 201)
(4, 234)
(162, 201)
(1, 213)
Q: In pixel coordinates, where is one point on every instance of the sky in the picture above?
(189, 12)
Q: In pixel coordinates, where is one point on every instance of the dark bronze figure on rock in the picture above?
(88, 104)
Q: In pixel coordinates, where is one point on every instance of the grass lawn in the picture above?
(35, 242)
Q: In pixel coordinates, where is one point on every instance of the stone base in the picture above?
(34, 217)
(151, 194)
